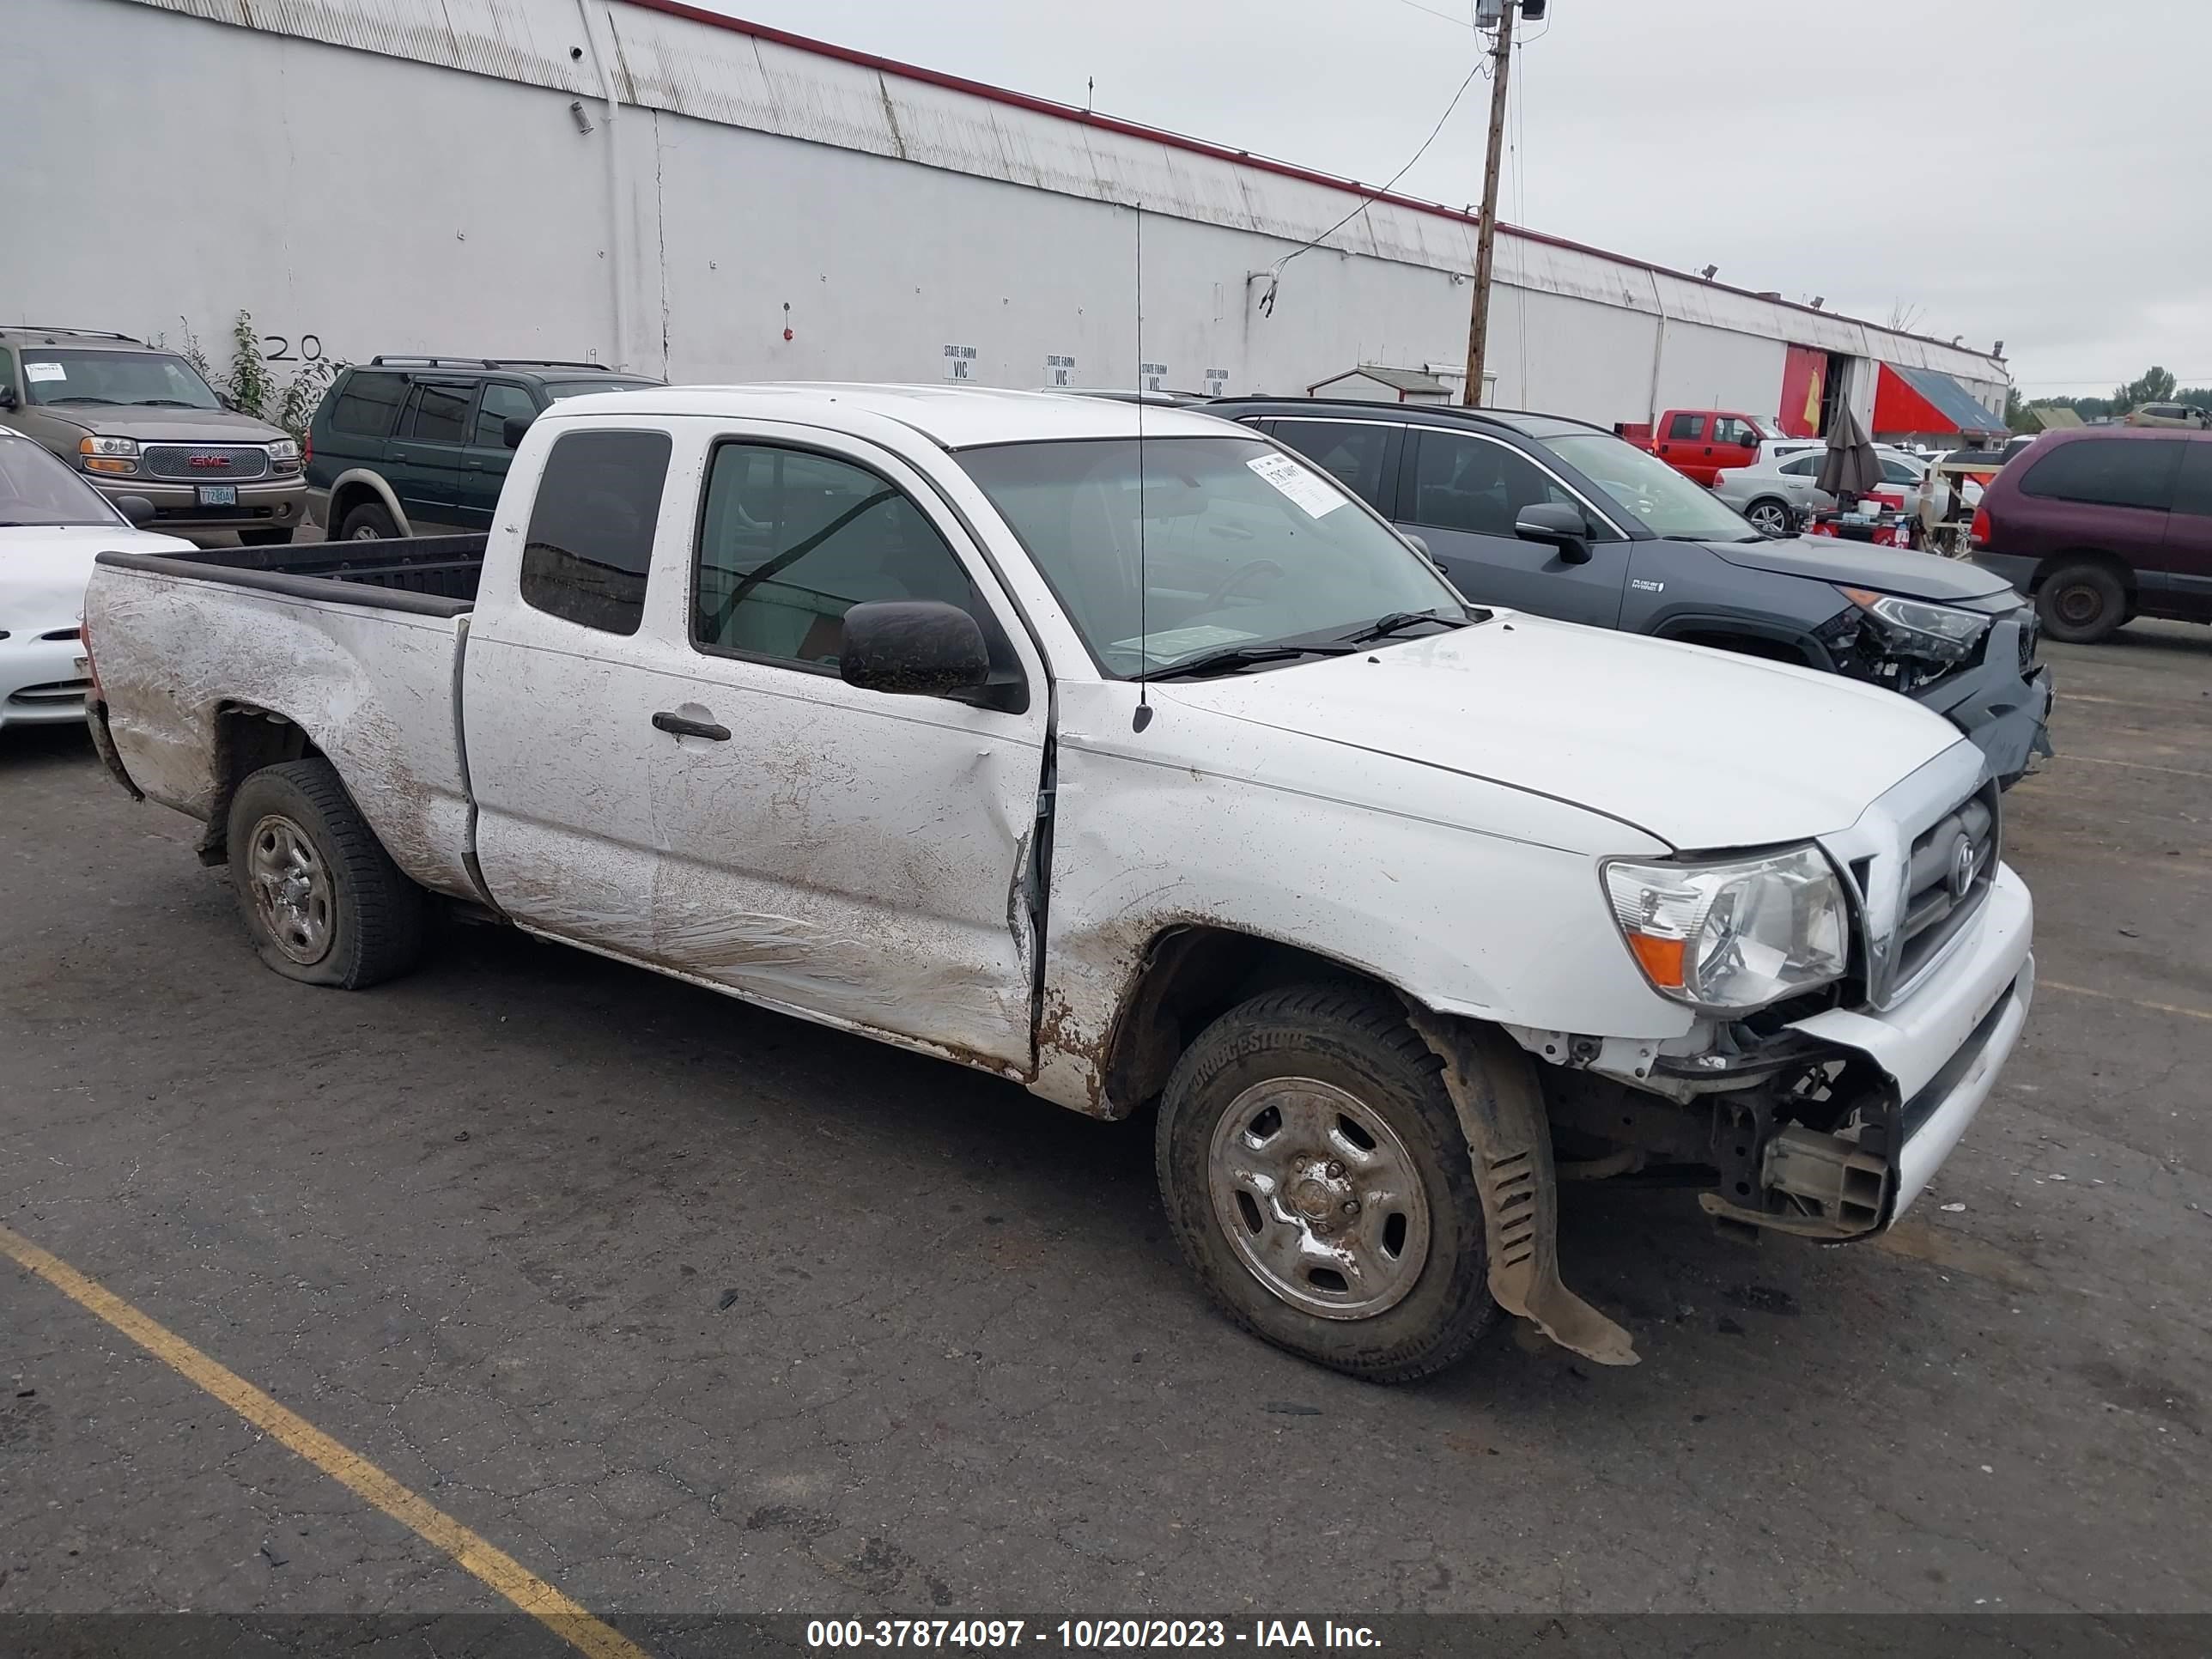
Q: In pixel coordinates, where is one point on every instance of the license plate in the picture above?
(218, 495)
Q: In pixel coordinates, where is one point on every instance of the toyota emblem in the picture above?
(1963, 862)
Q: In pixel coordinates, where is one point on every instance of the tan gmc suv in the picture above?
(136, 420)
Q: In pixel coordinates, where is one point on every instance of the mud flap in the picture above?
(1502, 1114)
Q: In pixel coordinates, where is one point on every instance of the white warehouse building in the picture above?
(645, 185)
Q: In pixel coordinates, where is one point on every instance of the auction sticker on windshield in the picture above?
(45, 372)
(1295, 481)
(1166, 644)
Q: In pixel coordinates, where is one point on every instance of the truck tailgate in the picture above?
(185, 654)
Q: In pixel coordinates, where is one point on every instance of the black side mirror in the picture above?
(7, 398)
(1559, 525)
(228, 401)
(136, 509)
(914, 648)
(511, 428)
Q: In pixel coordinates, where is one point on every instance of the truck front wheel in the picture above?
(1313, 1167)
(323, 902)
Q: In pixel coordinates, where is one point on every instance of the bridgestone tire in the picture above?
(373, 915)
(1358, 1042)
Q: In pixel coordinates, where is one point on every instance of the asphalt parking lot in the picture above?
(690, 1308)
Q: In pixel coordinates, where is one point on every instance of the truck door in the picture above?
(1681, 442)
(673, 771)
(1734, 442)
(1463, 492)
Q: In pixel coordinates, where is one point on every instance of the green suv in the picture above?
(419, 446)
(133, 419)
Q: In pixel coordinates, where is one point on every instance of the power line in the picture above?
(1275, 271)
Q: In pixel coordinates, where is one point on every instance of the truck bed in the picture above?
(205, 657)
(428, 576)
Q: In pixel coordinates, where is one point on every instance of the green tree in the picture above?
(2153, 386)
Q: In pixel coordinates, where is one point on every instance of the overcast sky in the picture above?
(2004, 170)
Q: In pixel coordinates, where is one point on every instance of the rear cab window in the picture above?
(1686, 426)
(589, 547)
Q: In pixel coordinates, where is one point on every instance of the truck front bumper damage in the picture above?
(1938, 1052)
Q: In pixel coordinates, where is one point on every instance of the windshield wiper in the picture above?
(1396, 621)
(1231, 657)
(164, 403)
(80, 400)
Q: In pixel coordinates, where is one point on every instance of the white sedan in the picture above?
(51, 525)
(1777, 492)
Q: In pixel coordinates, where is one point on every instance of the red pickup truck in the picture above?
(1698, 443)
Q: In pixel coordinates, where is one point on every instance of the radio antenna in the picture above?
(1143, 717)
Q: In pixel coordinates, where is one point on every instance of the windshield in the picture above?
(558, 390)
(1242, 546)
(35, 489)
(1664, 502)
(51, 375)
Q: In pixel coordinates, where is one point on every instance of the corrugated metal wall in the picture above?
(360, 191)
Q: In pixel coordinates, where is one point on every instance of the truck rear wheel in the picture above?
(323, 902)
(1313, 1167)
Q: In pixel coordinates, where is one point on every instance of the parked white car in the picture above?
(1134, 772)
(51, 525)
(1778, 493)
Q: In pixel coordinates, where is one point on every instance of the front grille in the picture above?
(206, 462)
(1947, 879)
(54, 691)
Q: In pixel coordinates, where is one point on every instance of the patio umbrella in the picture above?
(1850, 466)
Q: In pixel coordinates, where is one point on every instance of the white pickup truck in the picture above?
(1135, 766)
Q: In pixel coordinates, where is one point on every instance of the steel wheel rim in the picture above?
(291, 889)
(366, 534)
(1767, 517)
(1319, 1197)
(2079, 604)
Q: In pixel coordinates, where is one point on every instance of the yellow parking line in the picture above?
(2114, 996)
(563, 1617)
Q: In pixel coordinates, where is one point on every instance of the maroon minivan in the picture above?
(2103, 524)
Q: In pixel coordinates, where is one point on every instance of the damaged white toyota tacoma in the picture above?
(1135, 766)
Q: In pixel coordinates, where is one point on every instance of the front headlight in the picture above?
(284, 449)
(1914, 628)
(1733, 936)
(108, 454)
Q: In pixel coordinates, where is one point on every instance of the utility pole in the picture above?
(1485, 241)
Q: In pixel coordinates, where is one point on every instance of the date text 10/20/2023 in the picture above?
(1085, 1634)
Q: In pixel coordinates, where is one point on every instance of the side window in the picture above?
(1475, 485)
(1898, 472)
(1734, 430)
(500, 402)
(590, 542)
(1686, 426)
(2192, 489)
(367, 405)
(1351, 451)
(1801, 466)
(2108, 472)
(437, 414)
(7, 370)
(789, 541)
